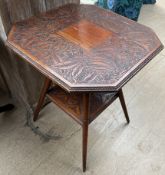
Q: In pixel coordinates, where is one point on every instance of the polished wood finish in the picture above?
(89, 53)
(72, 103)
(86, 34)
(82, 107)
(86, 105)
(44, 91)
(73, 60)
(122, 101)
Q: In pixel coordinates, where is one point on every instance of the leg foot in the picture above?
(122, 101)
(85, 142)
(85, 129)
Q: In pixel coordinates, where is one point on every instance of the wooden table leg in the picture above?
(85, 129)
(44, 90)
(122, 101)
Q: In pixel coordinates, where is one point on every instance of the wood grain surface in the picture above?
(84, 48)
(85, 34)
(72, 103)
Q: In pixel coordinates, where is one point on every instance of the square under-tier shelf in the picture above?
(72, 103)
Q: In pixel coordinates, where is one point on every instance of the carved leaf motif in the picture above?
(107, 65)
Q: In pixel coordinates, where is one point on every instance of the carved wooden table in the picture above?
(89, 53)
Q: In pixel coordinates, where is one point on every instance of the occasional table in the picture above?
(87, 55)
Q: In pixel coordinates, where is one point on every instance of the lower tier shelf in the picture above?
(72, 103)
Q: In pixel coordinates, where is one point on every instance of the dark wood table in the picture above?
(87, 54)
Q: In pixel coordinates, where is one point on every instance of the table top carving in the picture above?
(84, 47)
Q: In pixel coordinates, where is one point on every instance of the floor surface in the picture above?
(114, 147)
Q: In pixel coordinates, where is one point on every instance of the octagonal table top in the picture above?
(84, 47)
